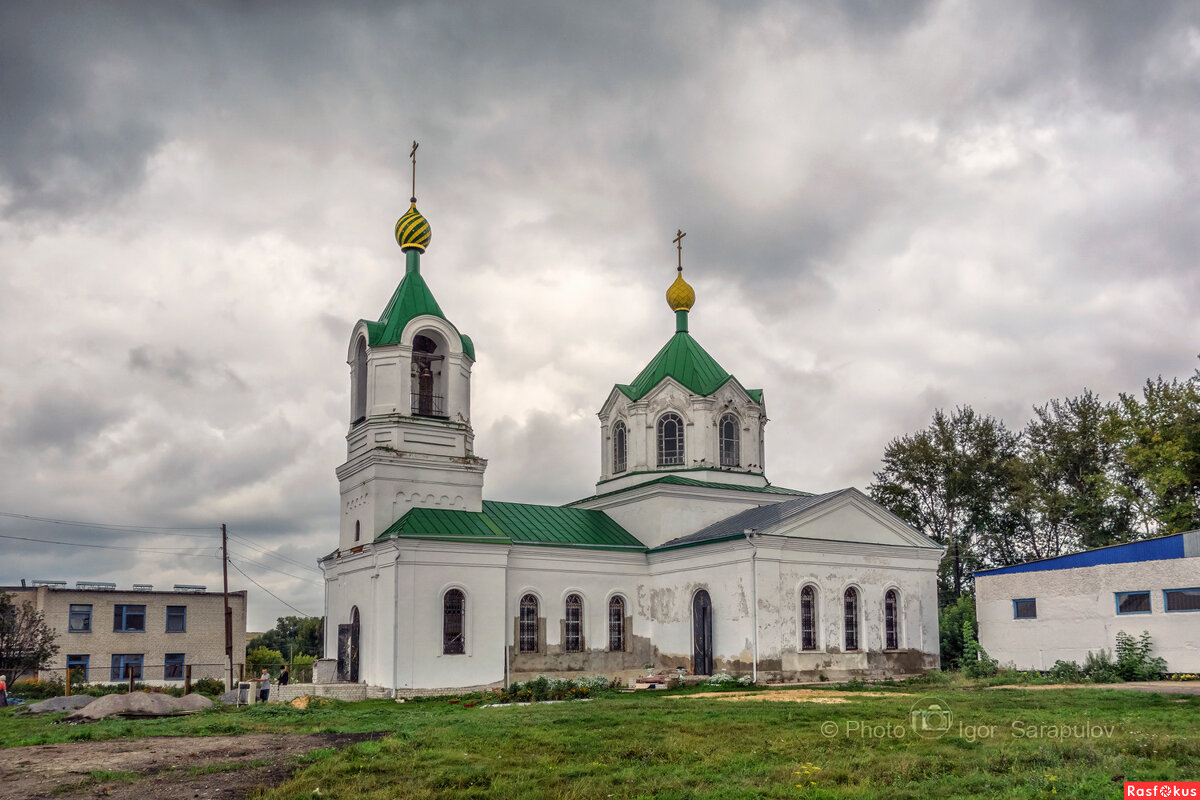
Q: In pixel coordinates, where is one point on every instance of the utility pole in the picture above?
(228, 610)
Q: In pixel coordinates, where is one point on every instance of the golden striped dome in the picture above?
(412, 230)
(681, 296)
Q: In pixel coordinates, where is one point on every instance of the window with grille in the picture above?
(176, 619)
(670, 440)
(1025, 608)
(573, 629)
(616, 624)
(1182, 599)
(808, 618)
(731, 441)
(528, 625)
(851, 619)
(81, 618)
(129, 618)
(173, 667)
(891, 621)
(454, 614)
(618, 438)
(1133, 602)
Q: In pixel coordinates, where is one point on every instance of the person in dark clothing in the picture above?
(284, 676)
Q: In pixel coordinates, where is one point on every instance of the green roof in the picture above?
(683, 359)
(411, 299)
(516, 523)
(676, 480)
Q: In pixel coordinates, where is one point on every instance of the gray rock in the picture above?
(135, 704)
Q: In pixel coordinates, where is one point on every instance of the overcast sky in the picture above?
(890, 208)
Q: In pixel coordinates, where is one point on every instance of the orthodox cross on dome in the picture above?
(678, 240)
(413, 156)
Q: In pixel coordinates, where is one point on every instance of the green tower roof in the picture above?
(683, 359)
(411, 299)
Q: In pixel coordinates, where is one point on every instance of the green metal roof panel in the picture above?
(518, 523)
(755, 395)
(556, 525)
(683, 359)
(411, 299)
(677, 480)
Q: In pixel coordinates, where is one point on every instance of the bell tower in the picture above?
(410, 441)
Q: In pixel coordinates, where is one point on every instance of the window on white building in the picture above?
(126, 665)
(129, 619)
(808, 618)
(616, 624)
(176, 619)
(528, 625)
(1133, 602)
(670, 440)
(573, 628)
(454, 612)
(1025, 608)
(77, 665)
(851, 618)
(731, 441)
(173, 667)
(618, 438)
(891, 620)
(1182, 599)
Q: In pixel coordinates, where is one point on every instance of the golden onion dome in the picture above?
(681, 296)
(412, 230)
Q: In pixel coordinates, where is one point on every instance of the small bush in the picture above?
(34, 689)
(209, 686)
(976, 663)
(1099, 668)
(1134, 659)
(1066, 672)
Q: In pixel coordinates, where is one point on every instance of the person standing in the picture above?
(3, 690)
(284, 676)
(264, 686)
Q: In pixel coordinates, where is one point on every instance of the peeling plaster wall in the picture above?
(1077, 613)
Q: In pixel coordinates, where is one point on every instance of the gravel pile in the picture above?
(57, 704)
(139, 704)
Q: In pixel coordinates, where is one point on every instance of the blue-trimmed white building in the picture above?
(1036, 613)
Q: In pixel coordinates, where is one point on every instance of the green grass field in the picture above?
(1018, 743)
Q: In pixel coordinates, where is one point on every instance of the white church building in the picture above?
(685, 556)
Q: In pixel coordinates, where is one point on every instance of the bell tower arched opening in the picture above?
(428, 378)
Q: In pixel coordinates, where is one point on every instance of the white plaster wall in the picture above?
(1077, 613)
(665, 513)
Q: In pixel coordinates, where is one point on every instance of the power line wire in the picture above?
(273, 554)
(113, 526)
(268, 591)
(281, 572)
(171, 550)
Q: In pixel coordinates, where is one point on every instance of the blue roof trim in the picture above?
(1160, 549)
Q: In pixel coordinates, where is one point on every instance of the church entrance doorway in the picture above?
(347, 660)
(702, 657)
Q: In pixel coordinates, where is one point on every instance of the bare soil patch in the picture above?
(166, 767)
(1162, 687)
(792, 696)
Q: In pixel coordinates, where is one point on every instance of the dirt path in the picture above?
(791, 696)
(1162, 687)
(165, 767)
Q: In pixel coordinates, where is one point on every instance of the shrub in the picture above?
(1099, 668)
(262, 658)
(34, 689)
(209, 686)
(1134, 662)
(1066, 672)
(976, 663)
(950, 628)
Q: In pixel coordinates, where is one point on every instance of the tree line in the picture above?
(1082, 473)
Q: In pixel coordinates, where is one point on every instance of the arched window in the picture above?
(427, 399)
(618, 439)
(851, 618)
(454, 617)
(808, 618)
(358, 383)
(529, 624)
(670, 440)
(573, 624)
(731, 441)
(891, 620)
(357, 529)
(616, 624)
